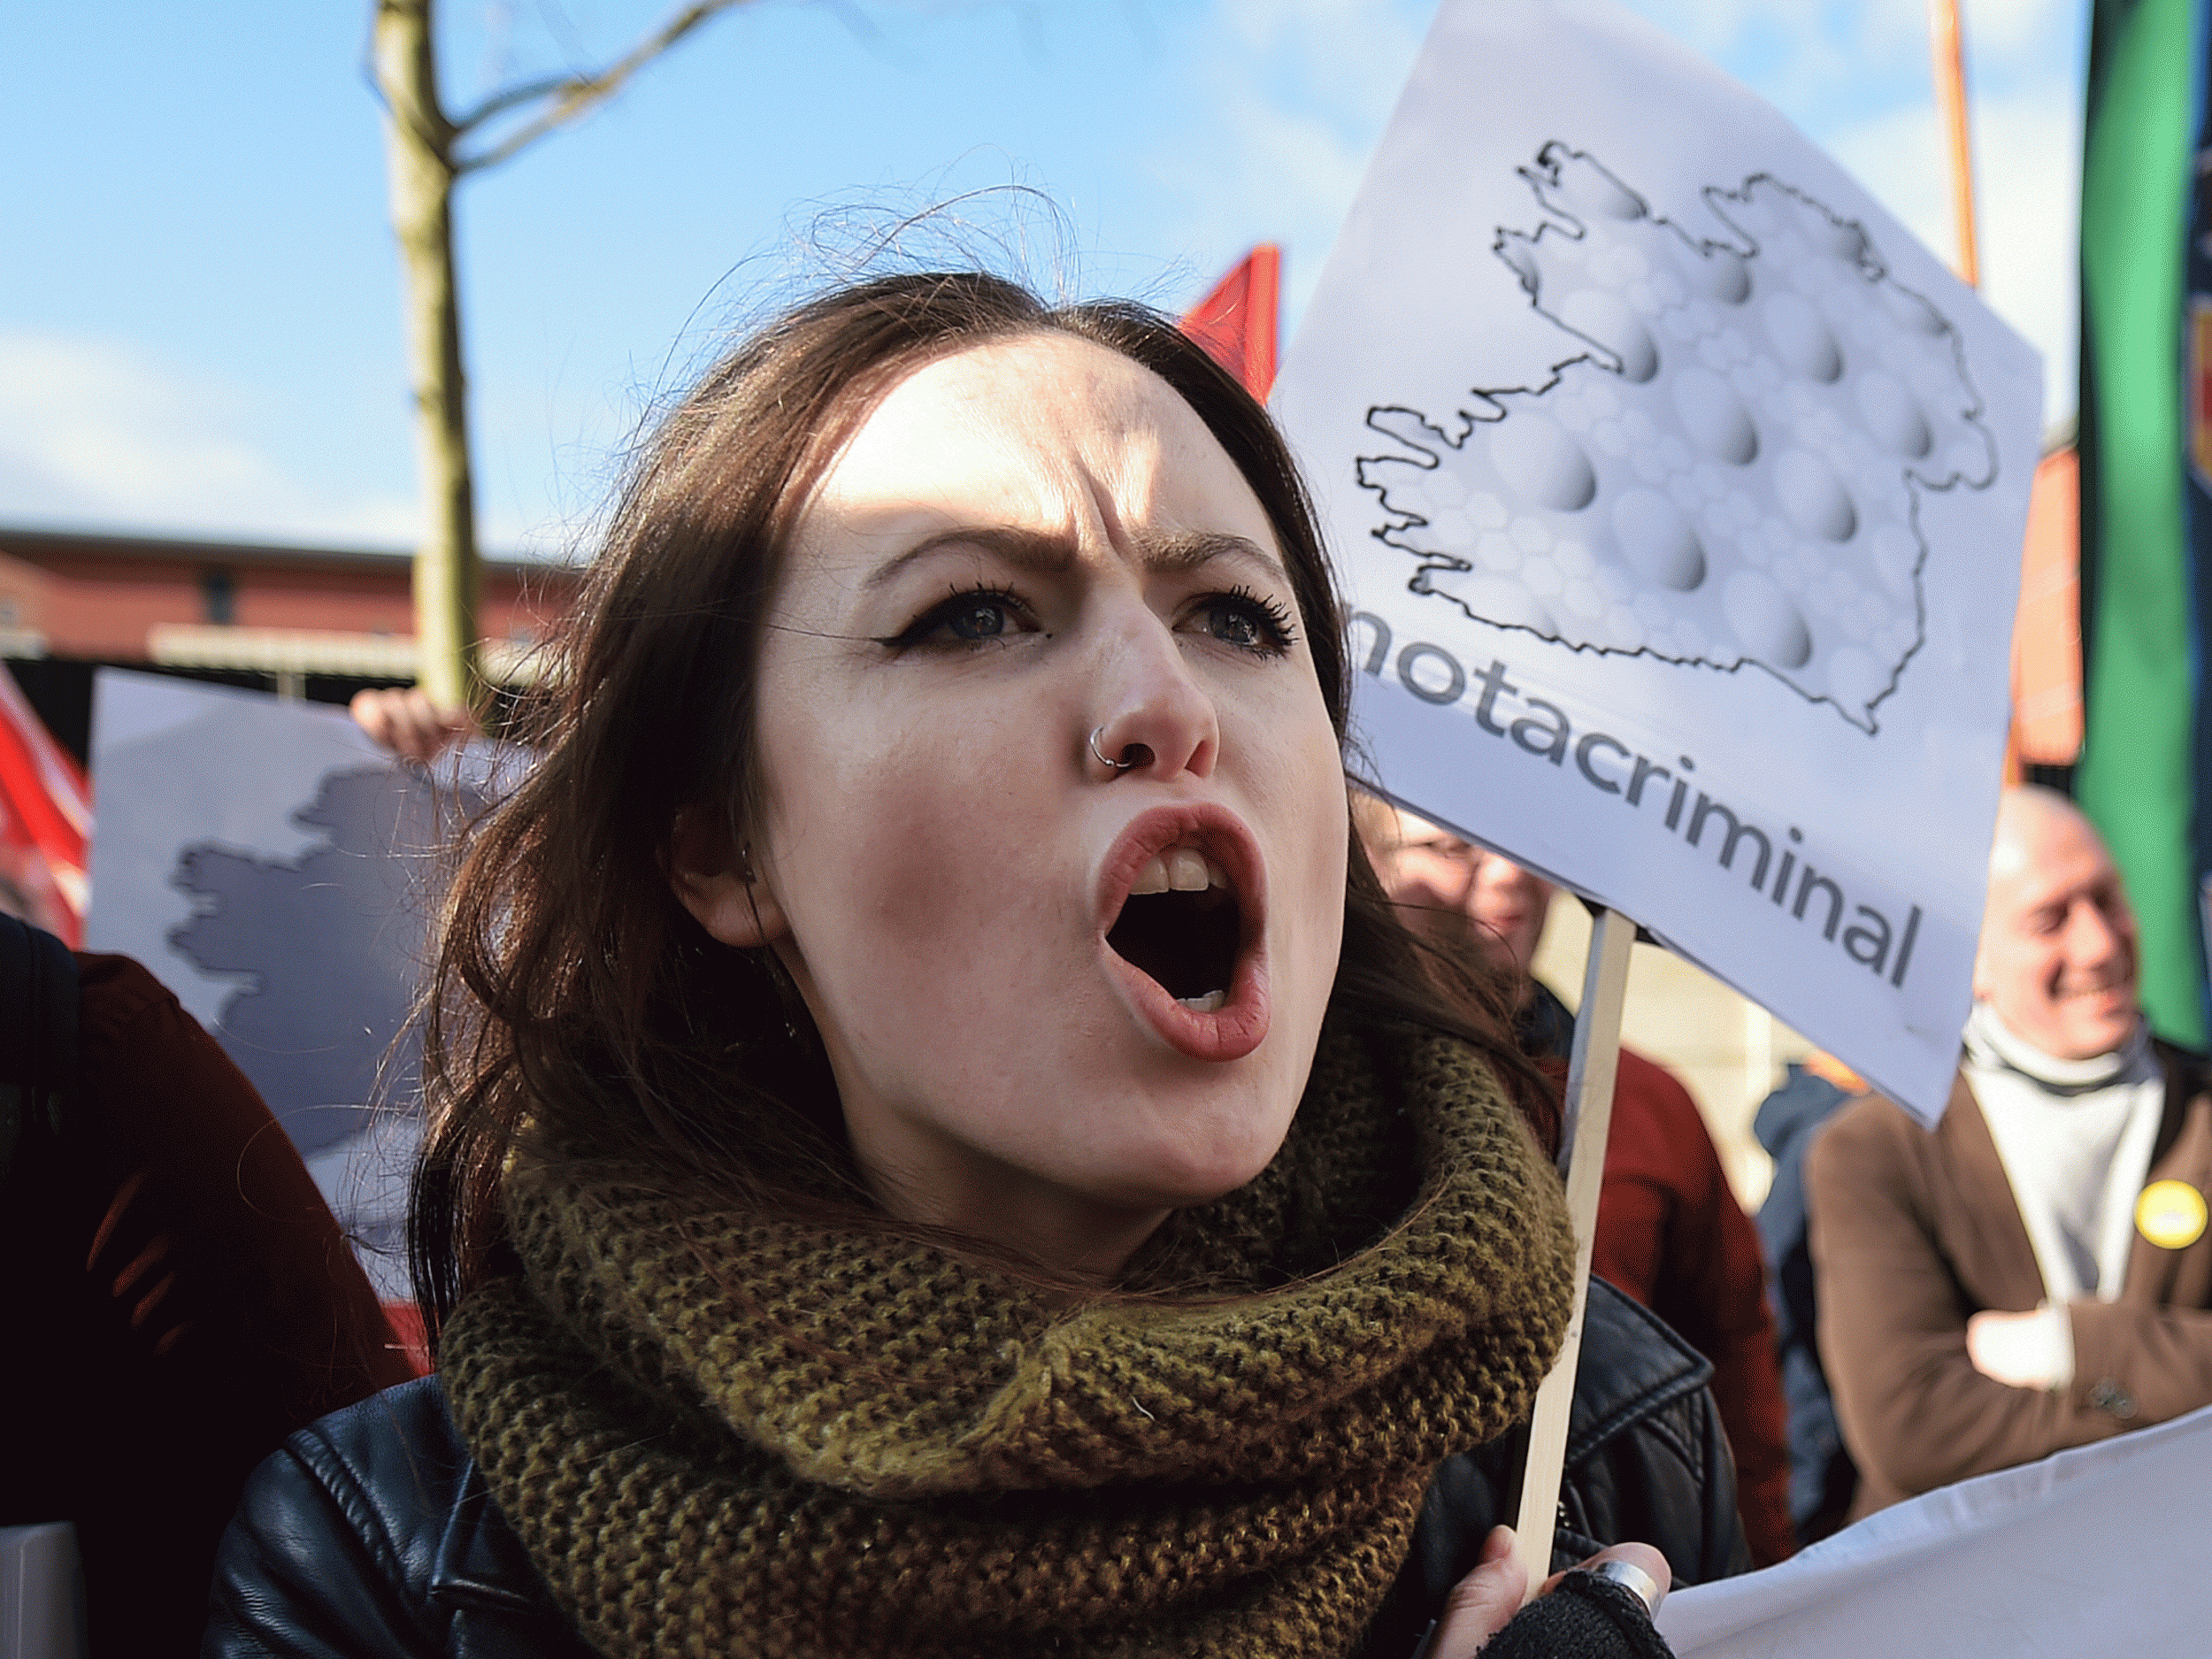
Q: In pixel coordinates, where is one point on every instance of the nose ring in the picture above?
(1102, 758)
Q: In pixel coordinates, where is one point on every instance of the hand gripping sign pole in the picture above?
(1589, 1118)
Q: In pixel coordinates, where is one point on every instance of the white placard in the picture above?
(276, 870)
(2093, 1550)
(1680, 497)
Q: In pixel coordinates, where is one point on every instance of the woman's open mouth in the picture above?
(1181, 925)
(1183, 902)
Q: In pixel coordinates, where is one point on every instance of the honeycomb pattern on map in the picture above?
(1729, 470)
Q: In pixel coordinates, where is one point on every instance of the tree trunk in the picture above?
(420, 154)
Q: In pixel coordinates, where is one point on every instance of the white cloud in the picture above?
(2011, 33)
(1294, 94)
(1802, 39)
(1799, 52)
(1354, 54)
(1276, 175)
(97, 432)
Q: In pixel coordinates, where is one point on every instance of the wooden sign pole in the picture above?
(1947, 47)
(1589, 1118)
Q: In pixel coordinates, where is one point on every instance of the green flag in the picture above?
(2141, 635)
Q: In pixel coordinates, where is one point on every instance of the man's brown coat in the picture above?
(1914, 1231)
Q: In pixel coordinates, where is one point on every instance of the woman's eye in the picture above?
(976, 619)
(965, 618)
(1249, 621)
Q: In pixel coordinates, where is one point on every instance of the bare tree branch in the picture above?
(508, 97)
(573, 96)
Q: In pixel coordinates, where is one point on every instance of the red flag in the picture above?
(45, 822)
(1236, 322)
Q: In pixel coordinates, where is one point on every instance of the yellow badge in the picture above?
(2170, 1214)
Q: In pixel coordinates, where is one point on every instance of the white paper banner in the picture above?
(2097, 1550)
(1680, 495)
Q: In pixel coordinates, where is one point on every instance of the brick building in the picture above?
(313, 622)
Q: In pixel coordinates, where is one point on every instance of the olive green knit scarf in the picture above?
(721, 1434)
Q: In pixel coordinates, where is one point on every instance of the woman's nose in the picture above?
(1152, 716)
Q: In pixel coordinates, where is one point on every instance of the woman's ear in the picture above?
(714, 878)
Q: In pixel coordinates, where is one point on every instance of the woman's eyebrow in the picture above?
(1189, 552)
(1025, 549)
(1029, 551)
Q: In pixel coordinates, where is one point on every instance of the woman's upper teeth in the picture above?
(1180, 870)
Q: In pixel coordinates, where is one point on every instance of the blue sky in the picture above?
(199, 323)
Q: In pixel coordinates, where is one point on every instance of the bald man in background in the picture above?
(1670, 1232)
(2033, 1272)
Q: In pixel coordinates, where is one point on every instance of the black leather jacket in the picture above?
(371, 1532)
(1647, 1460)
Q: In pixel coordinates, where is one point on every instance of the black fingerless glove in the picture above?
(1586, 1617)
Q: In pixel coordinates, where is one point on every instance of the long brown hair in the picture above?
(570, 987)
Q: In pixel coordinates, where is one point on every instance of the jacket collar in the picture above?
(480, 1562)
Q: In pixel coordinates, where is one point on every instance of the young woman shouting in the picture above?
(940, 1145)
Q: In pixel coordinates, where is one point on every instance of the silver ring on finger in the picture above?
(1633, 1580)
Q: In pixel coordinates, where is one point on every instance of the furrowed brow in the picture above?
(1024, 550)
(1173, 553)
(1028, 551)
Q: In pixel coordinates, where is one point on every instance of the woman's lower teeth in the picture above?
(1208, 1003)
